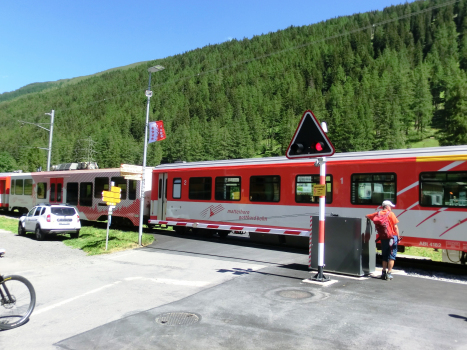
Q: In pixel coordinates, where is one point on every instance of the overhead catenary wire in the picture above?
(234, 64)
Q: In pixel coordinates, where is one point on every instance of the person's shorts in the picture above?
(388, 252)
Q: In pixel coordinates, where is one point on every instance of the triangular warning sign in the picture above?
(309, 140)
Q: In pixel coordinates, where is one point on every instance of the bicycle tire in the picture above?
(17, 301)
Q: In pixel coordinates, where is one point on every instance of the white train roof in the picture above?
(445, 151)
(347, 156)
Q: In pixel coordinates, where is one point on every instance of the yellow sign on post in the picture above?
(116, 189)
(319, 190)
(113, 196)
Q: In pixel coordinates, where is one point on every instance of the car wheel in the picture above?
(21, 231)
(74, 234)
(39, 234)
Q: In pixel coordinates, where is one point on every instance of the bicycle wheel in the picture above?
(17, 301)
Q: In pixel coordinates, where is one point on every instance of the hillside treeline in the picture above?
(398, 80)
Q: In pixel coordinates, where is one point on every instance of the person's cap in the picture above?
(388, 203)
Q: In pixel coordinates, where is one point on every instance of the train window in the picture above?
(122, 183)
(304, 189)
(265, 188)
(12, 187)
(200, 188)
(102, 184)
(52, 192)
(72, 193)
(19, 186)
(160, 188)
(373, 188)
(42, 190)
(177, 188)
(132, 189)
(85, 194)
(59, 192)
(28, 186)
(443, 189)
(227, 188)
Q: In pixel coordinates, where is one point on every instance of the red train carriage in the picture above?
(275, 195)
(4, 190)
(81, 188)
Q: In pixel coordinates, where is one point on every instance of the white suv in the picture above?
(46, 219)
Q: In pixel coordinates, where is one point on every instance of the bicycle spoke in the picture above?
(17, 300)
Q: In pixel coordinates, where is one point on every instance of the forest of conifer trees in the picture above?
(381, 80)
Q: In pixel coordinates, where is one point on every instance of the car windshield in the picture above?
(62, 211)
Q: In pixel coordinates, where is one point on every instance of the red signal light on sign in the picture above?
(319, 146)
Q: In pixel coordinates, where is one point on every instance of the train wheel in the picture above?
(204, 232)
(179, 229)
(207, 232)
(223, 234)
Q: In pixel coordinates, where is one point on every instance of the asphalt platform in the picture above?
(276, 308)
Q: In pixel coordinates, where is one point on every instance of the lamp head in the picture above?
(155, 69)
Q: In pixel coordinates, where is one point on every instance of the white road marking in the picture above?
(42, 310)
(156, 280)
(171, 281)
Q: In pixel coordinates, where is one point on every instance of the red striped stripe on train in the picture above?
(272, 196)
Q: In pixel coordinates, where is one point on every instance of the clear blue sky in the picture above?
(48, 40)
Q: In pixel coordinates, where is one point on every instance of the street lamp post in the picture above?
(50, 137)
(51, 132)
(153, 69)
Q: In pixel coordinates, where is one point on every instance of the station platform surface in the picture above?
(276, 308)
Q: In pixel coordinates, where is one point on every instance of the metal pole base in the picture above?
(320, 277)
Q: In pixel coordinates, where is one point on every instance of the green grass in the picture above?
(429, 142)
(9, 224)
(91, 240)
(427, 139)
(424, 252)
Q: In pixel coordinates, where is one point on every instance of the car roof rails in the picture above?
(43, 204)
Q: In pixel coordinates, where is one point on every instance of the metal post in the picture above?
(322, 217)
(322, 209)
(143, 178)
(109, 219)
(51, 133)
(50, 138)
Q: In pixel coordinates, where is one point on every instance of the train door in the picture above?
(3, 194)
(56, 190)
(162, 196)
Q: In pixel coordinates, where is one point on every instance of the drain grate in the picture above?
(295, 294)
(178, 318)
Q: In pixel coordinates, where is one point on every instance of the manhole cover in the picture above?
(178, 318)
(295, 294)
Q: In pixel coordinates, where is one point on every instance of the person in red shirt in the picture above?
(388, 246)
